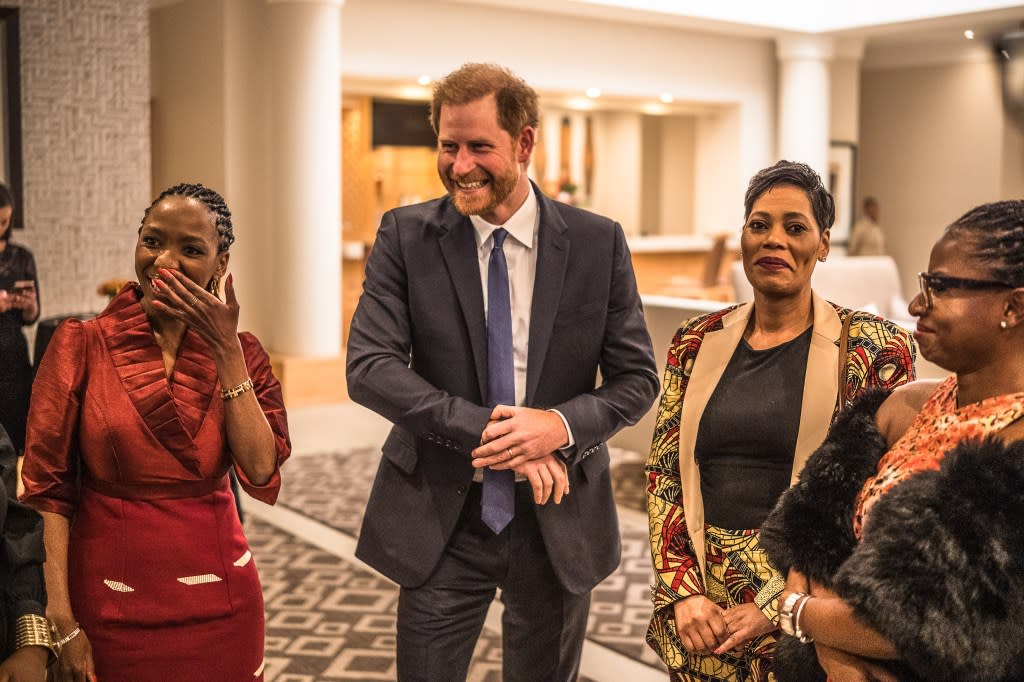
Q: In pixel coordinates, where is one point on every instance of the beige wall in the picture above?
(932, 145)
(85, 128)
(560, 53)
(209, 118)
(678, 134)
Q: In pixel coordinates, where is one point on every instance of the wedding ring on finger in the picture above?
(509, 452)
(194, 301)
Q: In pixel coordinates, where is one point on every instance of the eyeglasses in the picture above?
(936, 284)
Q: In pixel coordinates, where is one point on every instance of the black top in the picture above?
(21, 559)
(747, 435)
(16, 263)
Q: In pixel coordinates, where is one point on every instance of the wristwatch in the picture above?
(789, 615)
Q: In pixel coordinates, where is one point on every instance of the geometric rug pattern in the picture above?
(329, 619)
(314, 598)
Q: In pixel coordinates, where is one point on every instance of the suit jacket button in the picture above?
(461, 490)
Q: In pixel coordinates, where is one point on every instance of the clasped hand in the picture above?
(525, 440)
(216, 322)
(706, 628)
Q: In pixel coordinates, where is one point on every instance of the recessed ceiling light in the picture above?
(423, 80)
(593, 92)
(667, 98)
(969, 34)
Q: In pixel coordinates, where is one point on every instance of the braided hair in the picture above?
(213, 201)
(996, 231)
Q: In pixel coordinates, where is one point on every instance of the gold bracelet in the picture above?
(34, 630)
(232, 393)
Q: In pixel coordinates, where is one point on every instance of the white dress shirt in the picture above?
(520, 249)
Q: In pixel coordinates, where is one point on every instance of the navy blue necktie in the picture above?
(498, 500)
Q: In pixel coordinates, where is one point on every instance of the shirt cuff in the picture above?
(566, 450)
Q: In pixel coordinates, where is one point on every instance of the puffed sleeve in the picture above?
(676, 569)
(882, 355)
(271, 400)
(52, 462)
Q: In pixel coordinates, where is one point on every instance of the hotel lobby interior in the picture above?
(310, 117)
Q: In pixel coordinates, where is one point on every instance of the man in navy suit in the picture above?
(422, 352)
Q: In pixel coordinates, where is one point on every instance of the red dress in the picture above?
(159, 571)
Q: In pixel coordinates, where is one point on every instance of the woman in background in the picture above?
(137, 415)
(19, 307)
(904, 539)
(762, 382)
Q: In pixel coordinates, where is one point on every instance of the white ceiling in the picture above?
(881, 21)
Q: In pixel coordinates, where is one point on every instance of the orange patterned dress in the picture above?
(938, 428)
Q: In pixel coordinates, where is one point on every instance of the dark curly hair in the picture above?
(517, 101)
(212, 200)
(996, 234)
(799, 175)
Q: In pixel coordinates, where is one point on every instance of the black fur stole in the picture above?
(811, 527)
(940, 570)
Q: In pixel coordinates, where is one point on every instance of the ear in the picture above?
(825, 244)
(1013, 309)
(525, 143)
(222, 264)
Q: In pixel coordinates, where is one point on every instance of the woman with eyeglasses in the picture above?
(903, 541)
(749, 393)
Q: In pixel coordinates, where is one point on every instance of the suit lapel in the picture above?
(821, 383)
(552, 258)
(458, 247)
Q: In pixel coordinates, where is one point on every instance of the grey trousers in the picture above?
(543, 626)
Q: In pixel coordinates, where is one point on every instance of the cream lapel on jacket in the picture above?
(820, 390)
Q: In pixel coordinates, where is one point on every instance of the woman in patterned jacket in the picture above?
(903, 541)
(761, 383)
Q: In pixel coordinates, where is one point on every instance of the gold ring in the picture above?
(195, 299)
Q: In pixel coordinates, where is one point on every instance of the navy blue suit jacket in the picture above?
(417, 354)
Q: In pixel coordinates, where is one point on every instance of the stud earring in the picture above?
(1002, 324)
(214, 286)
(821, 259)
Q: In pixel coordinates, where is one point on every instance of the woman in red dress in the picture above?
(136, 418)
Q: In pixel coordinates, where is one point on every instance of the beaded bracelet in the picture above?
(232, 393)
(34, 630)
(68, 637)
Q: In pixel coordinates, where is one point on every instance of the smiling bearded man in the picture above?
(484, 319)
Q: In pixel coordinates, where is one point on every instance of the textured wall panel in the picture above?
(85, 122)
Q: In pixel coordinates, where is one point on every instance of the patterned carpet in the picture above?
(332, 619)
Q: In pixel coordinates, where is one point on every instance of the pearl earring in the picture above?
(1002, 324)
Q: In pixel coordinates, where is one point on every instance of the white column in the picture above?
(804, 92)
(304, 98)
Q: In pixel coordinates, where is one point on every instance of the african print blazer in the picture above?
(879, 354)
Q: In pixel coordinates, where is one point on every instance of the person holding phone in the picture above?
(19, 306)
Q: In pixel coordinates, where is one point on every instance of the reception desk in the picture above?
(684, 266)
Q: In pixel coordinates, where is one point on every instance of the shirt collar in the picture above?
(522, 224)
